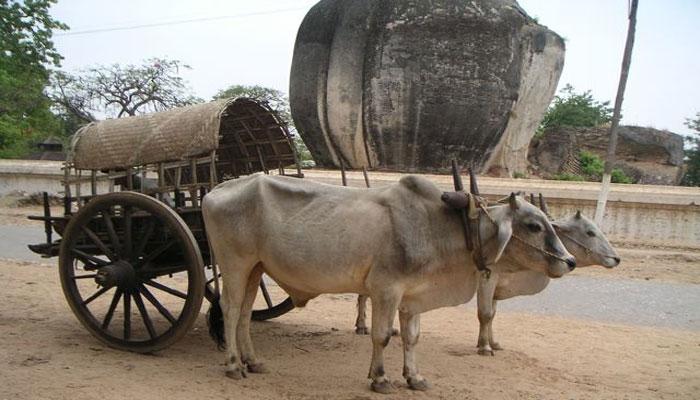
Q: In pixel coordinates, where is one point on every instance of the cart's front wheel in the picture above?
(131, 271)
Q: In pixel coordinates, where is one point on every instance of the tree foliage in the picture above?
(278, 101)
(692, 174)
(120, 91)
(26, 54)
(576, 109)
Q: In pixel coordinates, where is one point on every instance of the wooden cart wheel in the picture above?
(271, 306)
(131, 271)
(270, 303)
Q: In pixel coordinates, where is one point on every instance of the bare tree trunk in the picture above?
(612, 144)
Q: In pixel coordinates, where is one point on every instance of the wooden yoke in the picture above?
(476, 202)
(468, 207)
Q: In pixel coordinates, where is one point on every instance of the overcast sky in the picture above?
(251, 42)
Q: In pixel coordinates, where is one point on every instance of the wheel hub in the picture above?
(121, 274)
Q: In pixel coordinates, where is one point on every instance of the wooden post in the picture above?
(612, 144)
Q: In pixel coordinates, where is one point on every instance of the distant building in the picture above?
(50, 149)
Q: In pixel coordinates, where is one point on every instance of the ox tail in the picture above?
(215, 321)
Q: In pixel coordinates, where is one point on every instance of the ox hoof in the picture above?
(362, 330)
(257, 368)
(237, 373)
(496, 346)
(418, 384)
(394, 332)
(383, 387)
(486, 351)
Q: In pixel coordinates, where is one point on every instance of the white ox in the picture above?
(580, 236)
(399, 244)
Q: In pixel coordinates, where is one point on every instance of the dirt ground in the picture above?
(313, 353)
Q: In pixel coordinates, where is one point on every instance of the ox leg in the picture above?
(484, 300)
(245, 344)
(361, 321)
(232, 298)
(383, 312)
(492, 342)
(410, 332)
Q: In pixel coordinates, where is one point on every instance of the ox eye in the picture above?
(534, 227)
(590, 233)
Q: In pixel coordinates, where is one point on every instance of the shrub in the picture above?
(575, 109)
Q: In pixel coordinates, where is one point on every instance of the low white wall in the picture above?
(38, 176)
(636, 214)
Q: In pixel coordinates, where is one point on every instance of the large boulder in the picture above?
(648, 155)
(409, 85)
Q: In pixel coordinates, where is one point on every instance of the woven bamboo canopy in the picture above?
(247, 135)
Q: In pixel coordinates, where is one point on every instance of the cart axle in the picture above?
(121, 274)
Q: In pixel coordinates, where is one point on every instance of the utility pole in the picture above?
(612, 144)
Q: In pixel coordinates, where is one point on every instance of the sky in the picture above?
(251, 42)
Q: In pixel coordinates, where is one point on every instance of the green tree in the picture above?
(121, 91)
(278, 101)
(575, 109)
(692, 162)
(26, 54)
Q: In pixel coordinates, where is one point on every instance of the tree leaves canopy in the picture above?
(576, 109)
(120, 91)
(26, 53)
(692, 174)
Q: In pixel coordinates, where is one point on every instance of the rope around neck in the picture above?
(585, 248)
(525, 242)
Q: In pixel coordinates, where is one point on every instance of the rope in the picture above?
(538, 248)
(586, 248)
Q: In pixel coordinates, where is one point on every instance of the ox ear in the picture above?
(505, 232)
(513, 202)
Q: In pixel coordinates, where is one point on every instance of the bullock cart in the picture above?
(133, 256)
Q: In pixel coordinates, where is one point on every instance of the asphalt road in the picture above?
(626, 301)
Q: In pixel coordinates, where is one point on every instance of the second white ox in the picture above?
(399, 244)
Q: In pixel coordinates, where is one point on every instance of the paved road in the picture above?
(624, 301)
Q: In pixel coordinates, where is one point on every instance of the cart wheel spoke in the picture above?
(155, 253)
(152, 299)
(112, 306)
(85, 276)
(145, 238)
(89, 260)
(107, 218)
(166, 289)
(144, 315)
(99, 243)
(128, 243)
(95, 295)
(265, 293)
(127, 316)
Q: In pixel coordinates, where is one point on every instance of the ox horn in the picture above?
(456, 178)
(473, 188)
(532, 199)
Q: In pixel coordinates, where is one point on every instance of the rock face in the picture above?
(410, 84)
(649, 156)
